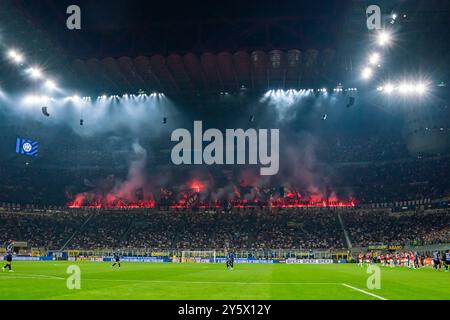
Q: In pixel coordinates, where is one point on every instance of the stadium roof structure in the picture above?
(211, 48)
(210, 73)
(192, 49)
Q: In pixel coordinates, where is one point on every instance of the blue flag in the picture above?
(27, 147)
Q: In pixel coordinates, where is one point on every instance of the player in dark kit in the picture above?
(9, 254)
(116, 259)
(230, 260)
(447, 260)
(437, 261)
(416, 261)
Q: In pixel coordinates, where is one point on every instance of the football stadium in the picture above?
(232, 150)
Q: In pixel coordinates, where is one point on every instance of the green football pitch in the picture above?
(48, 280)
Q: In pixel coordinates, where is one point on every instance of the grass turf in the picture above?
(47, 281)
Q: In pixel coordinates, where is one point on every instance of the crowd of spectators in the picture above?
(367, 183)
(207, 230)
(396, 181)
(368, 228)
(40, 230)
(371, 168)
(350, 149)
(299, 229)
(282, 229)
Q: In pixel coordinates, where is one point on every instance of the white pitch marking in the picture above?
(363, 291)
(215, 282)
(32, 276)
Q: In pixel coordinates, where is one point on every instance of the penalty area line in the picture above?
(363, 291)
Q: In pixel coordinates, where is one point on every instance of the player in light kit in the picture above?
(383, 260)
(411, 260)
(368, 258)
(398, 259)
(360, 259)
(9, 254)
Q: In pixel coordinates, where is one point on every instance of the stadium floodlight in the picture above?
(50, 84)
(393, 18)
(15, 56)
(33, 99)
(421, 88)
(403, 88)
(367, 73)
(35, 72)
(29, 99)
(406, 88)
(374, 58)
(388, 88)
(384, 38)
